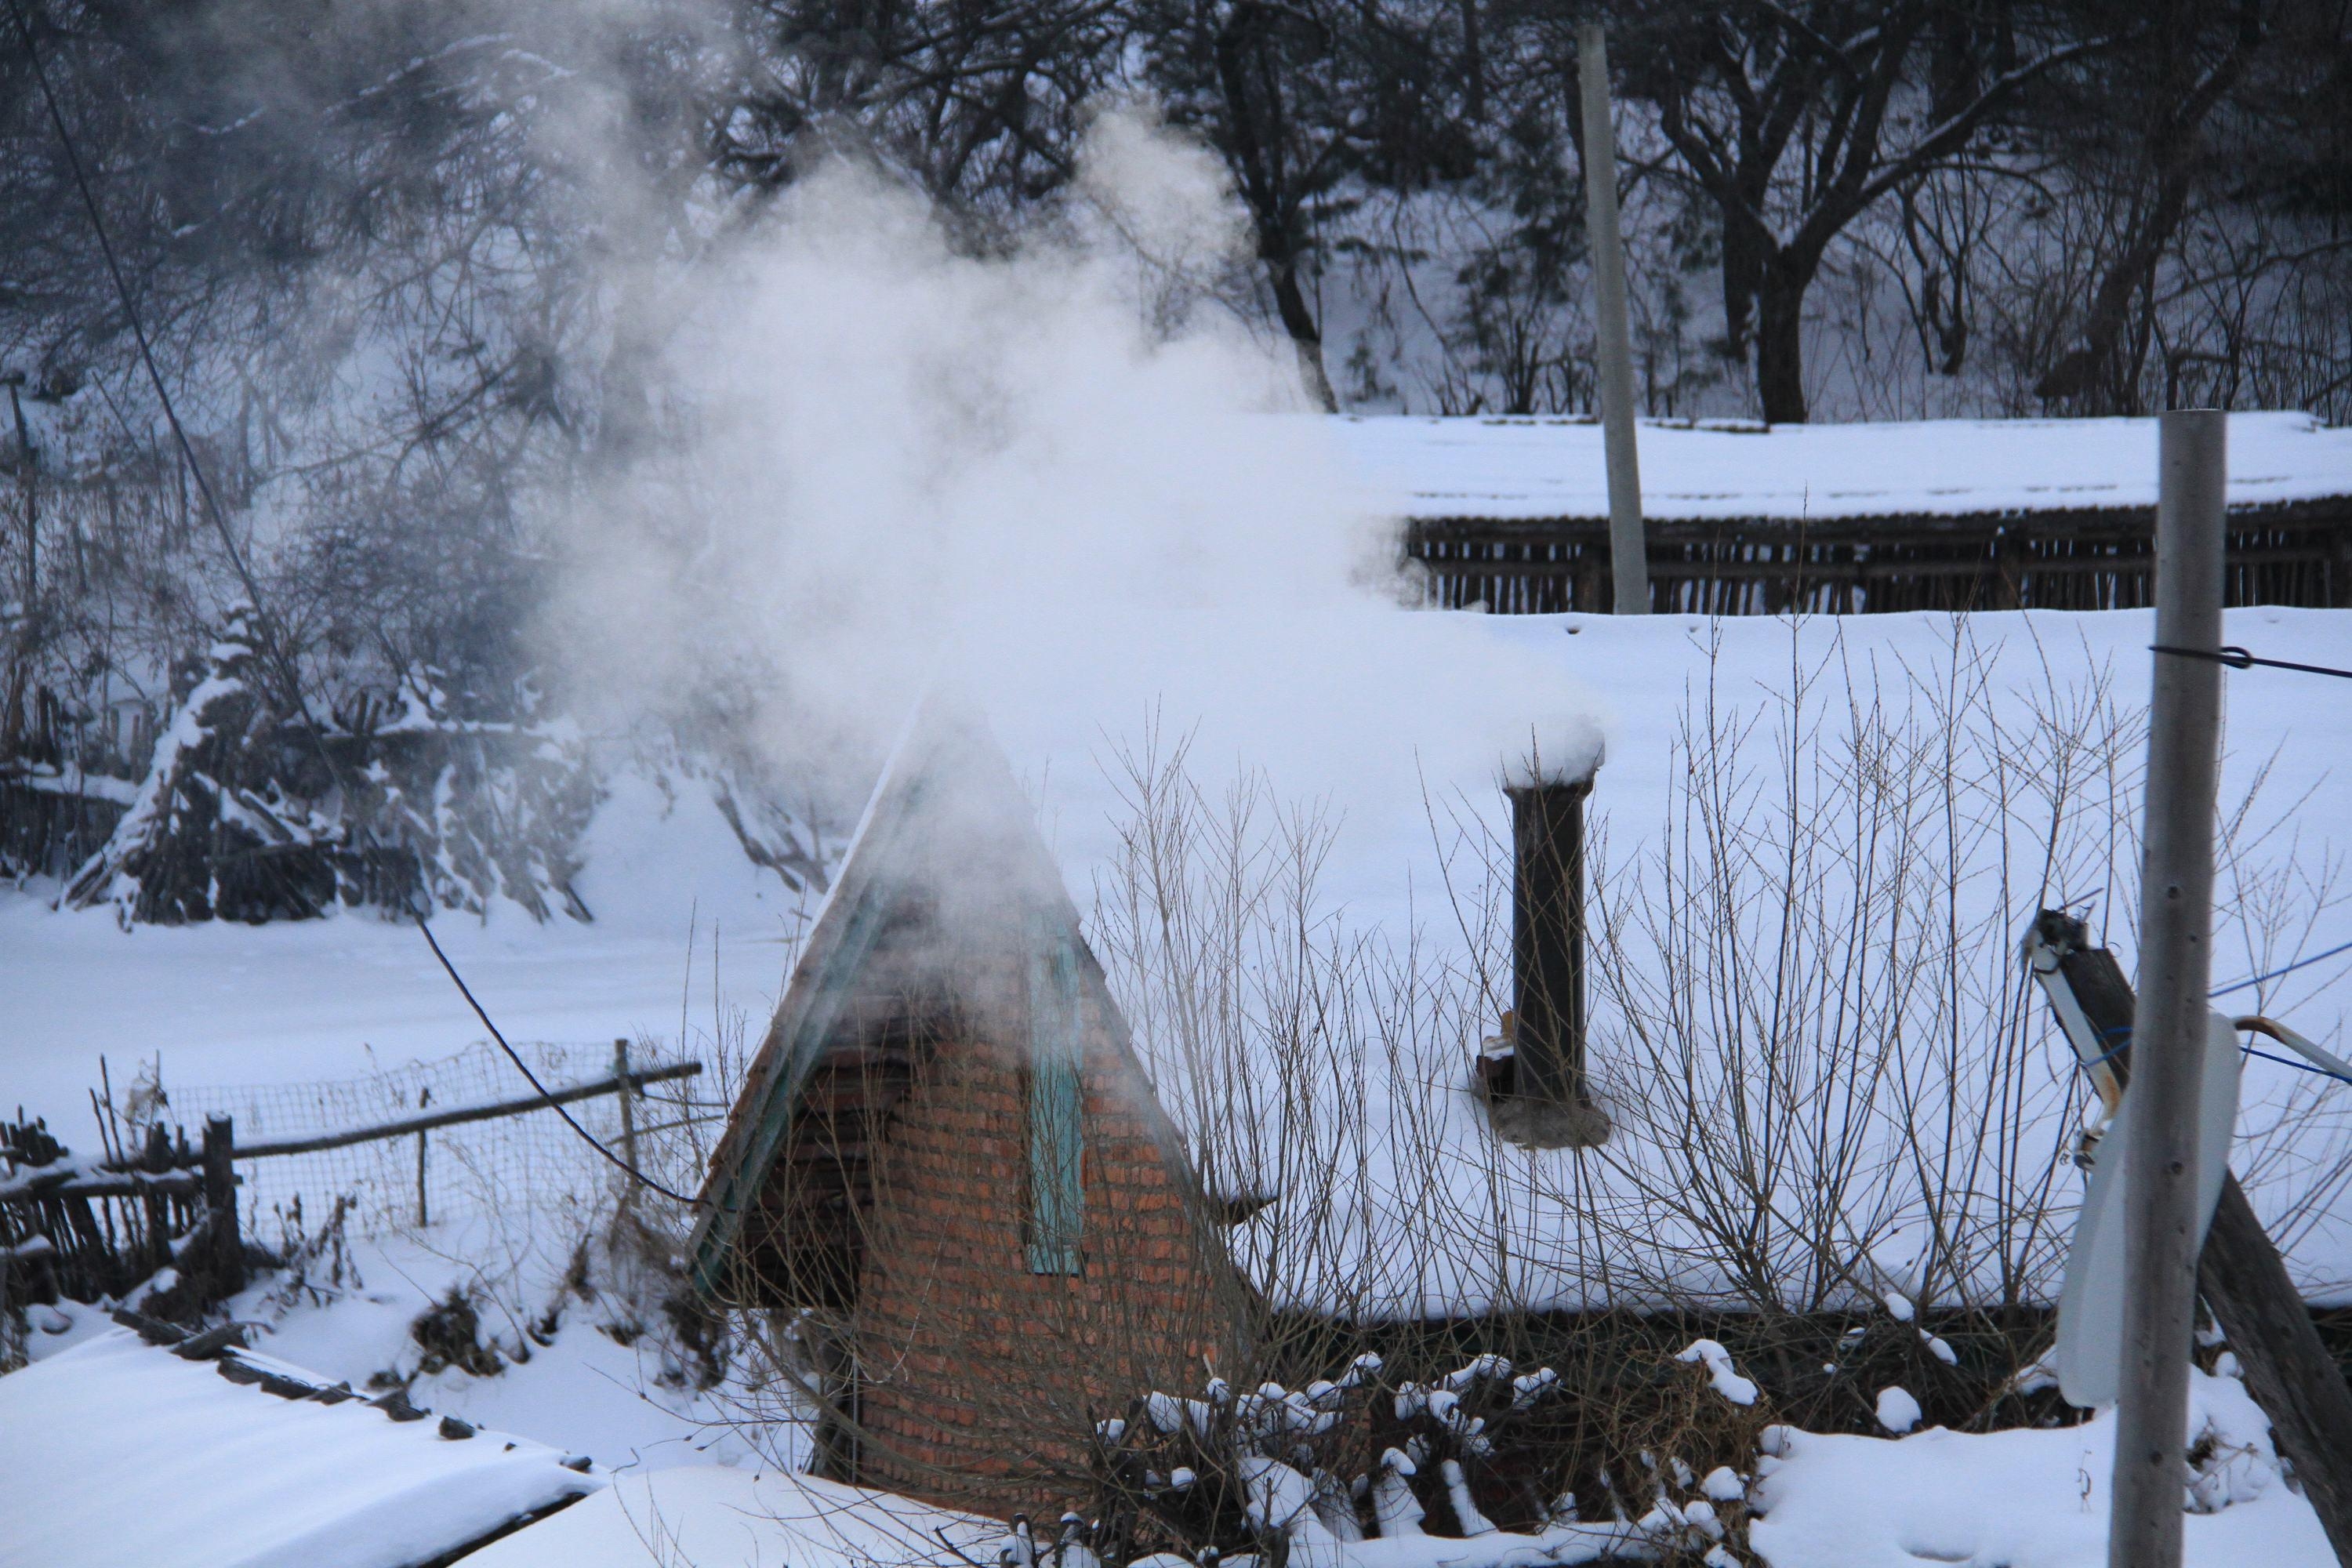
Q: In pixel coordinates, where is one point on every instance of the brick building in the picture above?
(947, 1172)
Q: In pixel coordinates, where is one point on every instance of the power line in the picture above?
(2283, 969)
(275, 649)
(467, 992)
(2239, 658)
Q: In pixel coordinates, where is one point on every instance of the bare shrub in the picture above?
(1845, 1129)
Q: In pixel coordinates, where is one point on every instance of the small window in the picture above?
(1057, 1049)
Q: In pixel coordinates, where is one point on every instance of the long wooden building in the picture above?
(1743, 519)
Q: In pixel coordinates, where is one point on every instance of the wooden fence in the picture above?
(88, 1229)
(2086, 559)
(51, 822)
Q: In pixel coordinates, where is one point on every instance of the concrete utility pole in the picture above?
(1628, 556)
(2176, 924)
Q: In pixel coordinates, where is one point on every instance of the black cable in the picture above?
(286, 670)
(524, 1067)
(2238, 658)
(219, 519)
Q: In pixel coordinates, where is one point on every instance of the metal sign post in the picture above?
(2160, 1239)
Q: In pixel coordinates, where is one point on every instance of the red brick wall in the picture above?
(980, 1381)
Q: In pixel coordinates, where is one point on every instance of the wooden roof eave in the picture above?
(842, 938)
(795, 1044)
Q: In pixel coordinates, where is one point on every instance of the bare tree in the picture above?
(1794, 121)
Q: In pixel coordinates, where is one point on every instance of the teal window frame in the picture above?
(1056, 1217)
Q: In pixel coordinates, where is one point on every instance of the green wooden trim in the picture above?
(1056, 1103)
(822, 991)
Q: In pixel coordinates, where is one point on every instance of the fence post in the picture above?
(629, 1120)
(226, 1262)
(423, 1217)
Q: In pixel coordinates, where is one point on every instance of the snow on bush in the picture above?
(1720, 1371)
(255, 808)
(1366, 1467)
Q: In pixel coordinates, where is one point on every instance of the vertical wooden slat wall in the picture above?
(2298, 554)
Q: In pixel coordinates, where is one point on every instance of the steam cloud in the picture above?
(1065, 480)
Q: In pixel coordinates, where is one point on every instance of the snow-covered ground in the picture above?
(2023, 1498)
(588, 1370)
(684, 924)
(1400, 732)
(710, 1515)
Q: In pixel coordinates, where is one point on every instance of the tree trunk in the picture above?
(1742, 274)
(2090, 375)
(1779, 343)
(1474, 65)
(1306, 335)
(2287, 1367)
(1259, 170)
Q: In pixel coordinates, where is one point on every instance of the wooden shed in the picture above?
(948, 1175)
(1512, 514)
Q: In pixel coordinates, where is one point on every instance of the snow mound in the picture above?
(2026, 1499)
(1726, 1377)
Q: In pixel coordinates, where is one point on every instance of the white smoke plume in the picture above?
(1064, 477)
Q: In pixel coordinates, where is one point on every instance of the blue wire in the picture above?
(2122, 1045)
(2274, 974)
(2298, 1064)
(2292, 1062)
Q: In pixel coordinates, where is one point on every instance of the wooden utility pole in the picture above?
(1627, 555)
(2174, 973)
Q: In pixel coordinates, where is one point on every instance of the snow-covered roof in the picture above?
(118, 1451)
(1520, 468)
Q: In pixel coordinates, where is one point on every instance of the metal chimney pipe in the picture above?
(1548, 941)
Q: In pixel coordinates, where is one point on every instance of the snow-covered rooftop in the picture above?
(1508, 468)
(118, 1451)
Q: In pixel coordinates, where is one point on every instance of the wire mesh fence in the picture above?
(509, 1164)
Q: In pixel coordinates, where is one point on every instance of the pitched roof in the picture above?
(1517, 468)
(948, 840)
